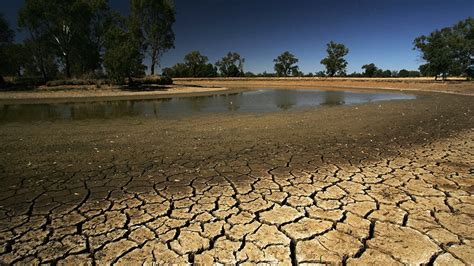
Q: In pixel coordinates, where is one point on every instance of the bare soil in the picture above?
(455, 86)
(379, 183)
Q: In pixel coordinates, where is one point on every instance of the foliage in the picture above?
(123, 57)
(408, 73)
(72, 30)
(6, 33)
(320, 74)
(370, 70)
(334, 61)
(285, 65)
(231, 65)
(6, 37)
(448, 51)
(154, 20)
(15, 59)
(249, 74)
(195, 65)
(266, 75)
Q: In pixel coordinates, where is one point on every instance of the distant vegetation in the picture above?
(86, 40)
(285, 65)
(334, 61)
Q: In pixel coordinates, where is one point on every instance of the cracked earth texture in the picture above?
(381, 183)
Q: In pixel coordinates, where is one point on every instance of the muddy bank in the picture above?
(86, 94)
(418, 84)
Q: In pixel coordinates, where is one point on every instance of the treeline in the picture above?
(77, 38)
(446, 52)
(197, 65)
(87, 39)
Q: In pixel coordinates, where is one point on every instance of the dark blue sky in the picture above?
(378, 31)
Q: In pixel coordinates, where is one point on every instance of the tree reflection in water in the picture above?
(333, 98)
(285, 99)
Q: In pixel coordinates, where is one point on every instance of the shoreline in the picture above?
(457, 87)
(82, 95)
(192, 87)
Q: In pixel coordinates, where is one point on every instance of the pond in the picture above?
(254, 101)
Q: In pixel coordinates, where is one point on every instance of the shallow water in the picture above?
(255, 101)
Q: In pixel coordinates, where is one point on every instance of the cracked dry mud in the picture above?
(383, 183)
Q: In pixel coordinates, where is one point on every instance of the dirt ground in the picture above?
(455, 86)
(381, 183)
(90, 93)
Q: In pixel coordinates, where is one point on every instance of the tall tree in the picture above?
(195, 65)
(123, 56)
(6, 37)
(370, 70)
(67, 27)
(285, 65)
(231, 65)
(448, 51)
(334, 61)
(436, 52)
(154, 19)
(6, 33)
(195, 62)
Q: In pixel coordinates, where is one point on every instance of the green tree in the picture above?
(403, 73)
(198, 66)
(89, 53)
(123, 56)
(195, 61)
(231, 65)
(370, 70)
(334, 61)
(448, 51)
(436, 53)
(154, 19)
(386, 73)
(6, 33)
(6, 37)
(413, 73)
(249, 74)
(71, 28)
(320, 74)
(195, 65)
(16, 58)
(285, 65)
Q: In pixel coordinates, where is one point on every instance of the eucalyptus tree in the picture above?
(370, 70)
(285, 65)
(123, 56)
(334, 61)
(72, 29)
(448, 51)
(154, 20)
(231, 65)
(6, 37)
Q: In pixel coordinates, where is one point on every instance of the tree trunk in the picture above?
(68, 66)
(153, 62)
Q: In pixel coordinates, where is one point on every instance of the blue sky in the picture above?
(375, 31)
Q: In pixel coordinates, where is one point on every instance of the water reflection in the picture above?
(267, 100)
(333, 98)
(285, 99)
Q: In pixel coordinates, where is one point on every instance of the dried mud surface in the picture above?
(381, 183)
